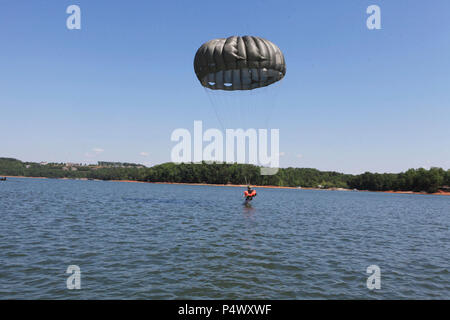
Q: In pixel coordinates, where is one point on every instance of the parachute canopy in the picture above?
(239, 63)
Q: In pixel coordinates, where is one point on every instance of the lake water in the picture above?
(155, 241)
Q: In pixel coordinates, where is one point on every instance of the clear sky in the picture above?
(353, 99)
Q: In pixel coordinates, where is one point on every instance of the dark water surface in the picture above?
(146, 241)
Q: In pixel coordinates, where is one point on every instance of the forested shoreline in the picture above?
(416, 180)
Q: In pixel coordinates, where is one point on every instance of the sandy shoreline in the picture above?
(443, 193)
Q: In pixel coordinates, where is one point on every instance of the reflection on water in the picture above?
(145, 241)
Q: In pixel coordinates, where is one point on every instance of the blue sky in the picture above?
(353, 100)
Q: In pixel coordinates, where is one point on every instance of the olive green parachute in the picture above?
(239, 63)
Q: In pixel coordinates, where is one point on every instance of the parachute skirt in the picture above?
(241, 79)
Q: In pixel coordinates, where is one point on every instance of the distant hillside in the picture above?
(412, 180)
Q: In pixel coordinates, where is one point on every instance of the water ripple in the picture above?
(143, 241)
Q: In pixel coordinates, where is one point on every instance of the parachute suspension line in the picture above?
(268, 109)
(240, 104)
(255, 105)
(214, 108)
(272, 95)
(242, 110)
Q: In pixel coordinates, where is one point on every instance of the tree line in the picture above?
(412, 180)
